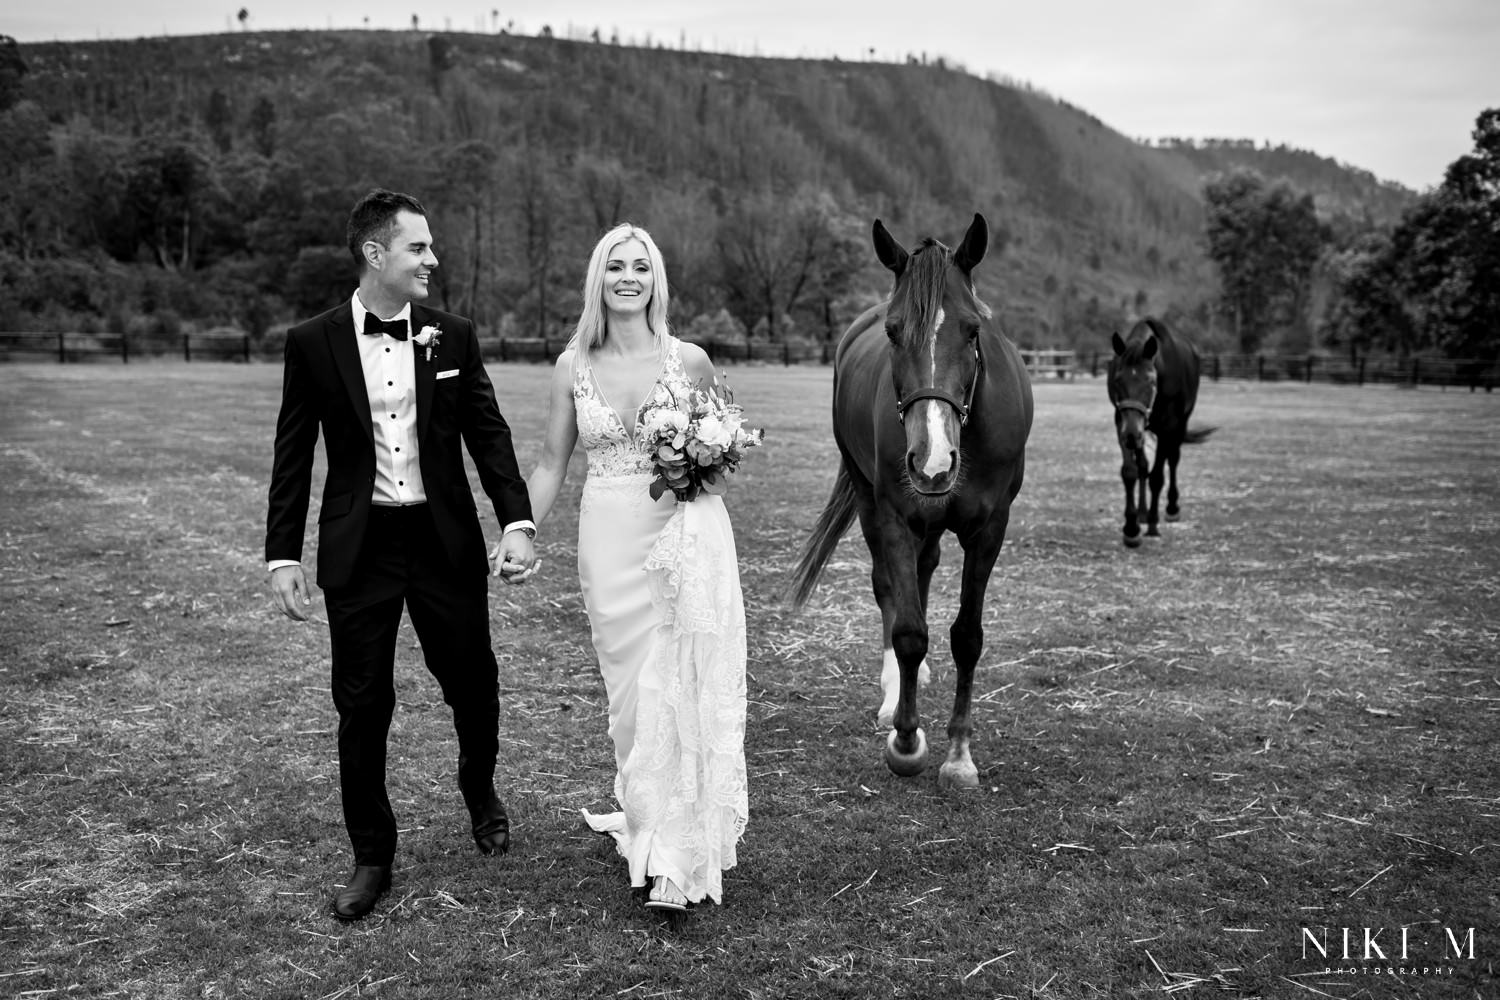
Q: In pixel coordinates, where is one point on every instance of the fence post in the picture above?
(1361, 371)
(62, 349)
(1260, 367)
(1216, 368)
(124, 348)
(187, 350)
(1416, 371)
(247, 348)
(1308, 373)
(786, 353)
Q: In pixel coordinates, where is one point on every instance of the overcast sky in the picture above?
(1390, 86)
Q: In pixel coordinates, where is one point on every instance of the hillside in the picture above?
(526, 147)
(1338, 188)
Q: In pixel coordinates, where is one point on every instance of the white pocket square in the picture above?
(447, 374)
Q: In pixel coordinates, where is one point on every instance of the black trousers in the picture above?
(402, 563)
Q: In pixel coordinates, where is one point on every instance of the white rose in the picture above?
(713, 432)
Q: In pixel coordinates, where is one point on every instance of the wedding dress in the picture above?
(660, 581)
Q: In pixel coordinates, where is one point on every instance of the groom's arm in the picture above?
(291, 483)
(487, 437)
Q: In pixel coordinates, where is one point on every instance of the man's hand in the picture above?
(289, 587)
(513, 559)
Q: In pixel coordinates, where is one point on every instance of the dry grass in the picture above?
(1280, 715)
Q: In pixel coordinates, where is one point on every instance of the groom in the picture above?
(398, 391)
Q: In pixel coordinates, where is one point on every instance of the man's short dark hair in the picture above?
(374, 218)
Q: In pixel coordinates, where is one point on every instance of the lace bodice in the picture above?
(614, 452)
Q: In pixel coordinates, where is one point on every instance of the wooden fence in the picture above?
(72, 348)
(1470, 373)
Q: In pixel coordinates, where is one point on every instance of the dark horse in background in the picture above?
(1153, 384)
(931, 410)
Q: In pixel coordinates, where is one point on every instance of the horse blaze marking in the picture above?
(938, 448)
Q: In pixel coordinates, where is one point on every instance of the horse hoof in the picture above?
(1132, 541)
(886, 717)
(1153, 532)
(1173, 515)
(960, 777)
(906, 765)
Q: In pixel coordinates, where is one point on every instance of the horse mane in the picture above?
(919, 292)
(1136, 340)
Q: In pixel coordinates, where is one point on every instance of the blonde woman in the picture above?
(660, 582)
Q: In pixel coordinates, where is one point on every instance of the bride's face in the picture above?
(628, 279)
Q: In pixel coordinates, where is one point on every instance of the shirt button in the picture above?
(387, 350)
(400, 482)
(398, 449)
(390, 383)
(393, 416)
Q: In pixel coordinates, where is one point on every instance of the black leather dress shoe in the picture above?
(491, 827)
(366, 886)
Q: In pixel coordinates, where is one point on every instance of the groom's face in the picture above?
(405, 268)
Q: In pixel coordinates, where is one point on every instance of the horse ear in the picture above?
(976, 240)
(1148, 349)
(892, 254)
(1118, 342)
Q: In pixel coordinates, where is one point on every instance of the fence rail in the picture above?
(72, 348)
(1470, 373)
(1042, 363)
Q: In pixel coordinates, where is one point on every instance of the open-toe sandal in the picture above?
(662, 889)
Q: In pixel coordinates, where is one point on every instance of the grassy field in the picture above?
(1280, 715)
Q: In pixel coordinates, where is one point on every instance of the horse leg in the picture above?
(967, 637)
(1130, 475)
(890, 669)
(1174, 510)
(1155, 479)
(891, 551)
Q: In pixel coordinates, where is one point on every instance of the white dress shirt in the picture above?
(390, 385)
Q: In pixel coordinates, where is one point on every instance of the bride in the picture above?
(660, 582)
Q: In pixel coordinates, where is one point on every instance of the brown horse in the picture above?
(931, 411)
(1153, 384)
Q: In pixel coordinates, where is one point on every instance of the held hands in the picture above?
(514, 558)
(289, 587)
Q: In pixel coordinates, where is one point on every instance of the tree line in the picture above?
(1429, 282)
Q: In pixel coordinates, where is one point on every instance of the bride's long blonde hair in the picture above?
(592, 328)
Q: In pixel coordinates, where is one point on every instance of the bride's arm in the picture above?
(557, 445)
(698, 368)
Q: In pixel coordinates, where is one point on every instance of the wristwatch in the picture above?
(526, 530)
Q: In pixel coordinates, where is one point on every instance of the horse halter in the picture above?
(963, 407)
(1135, 404)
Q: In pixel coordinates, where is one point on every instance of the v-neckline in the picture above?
(661, 371)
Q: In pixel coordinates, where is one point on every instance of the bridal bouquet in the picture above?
(695, 441)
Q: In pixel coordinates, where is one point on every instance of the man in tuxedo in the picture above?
(397, 389)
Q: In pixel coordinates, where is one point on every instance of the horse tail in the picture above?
(837, 515)
(1198, 436)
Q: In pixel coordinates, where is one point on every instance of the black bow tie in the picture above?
(392, 328)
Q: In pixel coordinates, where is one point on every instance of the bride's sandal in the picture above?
(666, 896)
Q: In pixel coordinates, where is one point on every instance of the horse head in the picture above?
(1132, 385)
(933, 322)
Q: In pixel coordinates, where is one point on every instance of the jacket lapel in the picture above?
(425, 376)
(341, 344)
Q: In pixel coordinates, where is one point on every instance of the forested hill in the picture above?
(228, 163)
(1337, 188)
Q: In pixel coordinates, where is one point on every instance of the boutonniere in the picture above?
(430, 337)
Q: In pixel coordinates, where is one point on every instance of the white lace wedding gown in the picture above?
(661, 584)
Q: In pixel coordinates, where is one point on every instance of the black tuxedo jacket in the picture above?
(324, 385)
